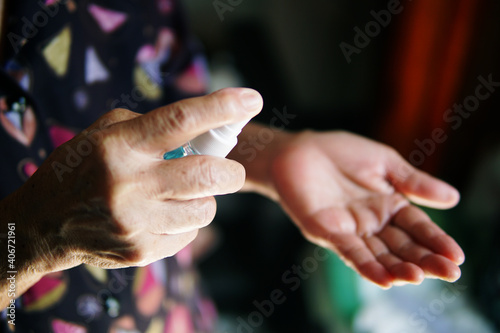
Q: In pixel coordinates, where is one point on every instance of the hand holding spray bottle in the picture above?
(216, 142)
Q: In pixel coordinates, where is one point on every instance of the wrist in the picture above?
(19, 266)
(37, 249)
(257, 148)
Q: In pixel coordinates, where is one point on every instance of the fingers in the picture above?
(169, 245)
(335, 229)
(428, 191)
(419, 226)
(193, 177)
(371, 258)
(366, 254)
(418, 186)
(169, 127)
(409, 249)
(403, 246)
(162, 246)
(403, 272)
(354, 250)
(177, 217)
(162, 229)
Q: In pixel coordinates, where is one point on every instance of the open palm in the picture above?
(352, 195)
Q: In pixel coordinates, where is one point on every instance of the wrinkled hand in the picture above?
(351, 195)
(120, 204)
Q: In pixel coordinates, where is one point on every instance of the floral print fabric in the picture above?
(67, 63)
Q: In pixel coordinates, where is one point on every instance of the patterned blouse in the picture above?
(67, 63)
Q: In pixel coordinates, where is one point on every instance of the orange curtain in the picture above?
(425, 73)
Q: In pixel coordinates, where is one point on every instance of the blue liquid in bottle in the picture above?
(182, 151)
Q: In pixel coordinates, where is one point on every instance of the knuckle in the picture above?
(239, 174)
(202, 213)
(207, 175)
(193, 214)
(114, 116)
(176, 119)
(208, 208)
(223, 99)
(391, 151)
(219, 176)
(116, 113)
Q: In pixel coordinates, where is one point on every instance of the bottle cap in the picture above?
(218, 141)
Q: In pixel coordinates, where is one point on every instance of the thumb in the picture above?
(170, 126)
(420, 187)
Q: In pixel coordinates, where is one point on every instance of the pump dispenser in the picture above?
(216, 142)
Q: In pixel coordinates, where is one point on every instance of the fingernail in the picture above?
(251, 100)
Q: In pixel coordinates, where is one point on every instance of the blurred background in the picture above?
(398, 72)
